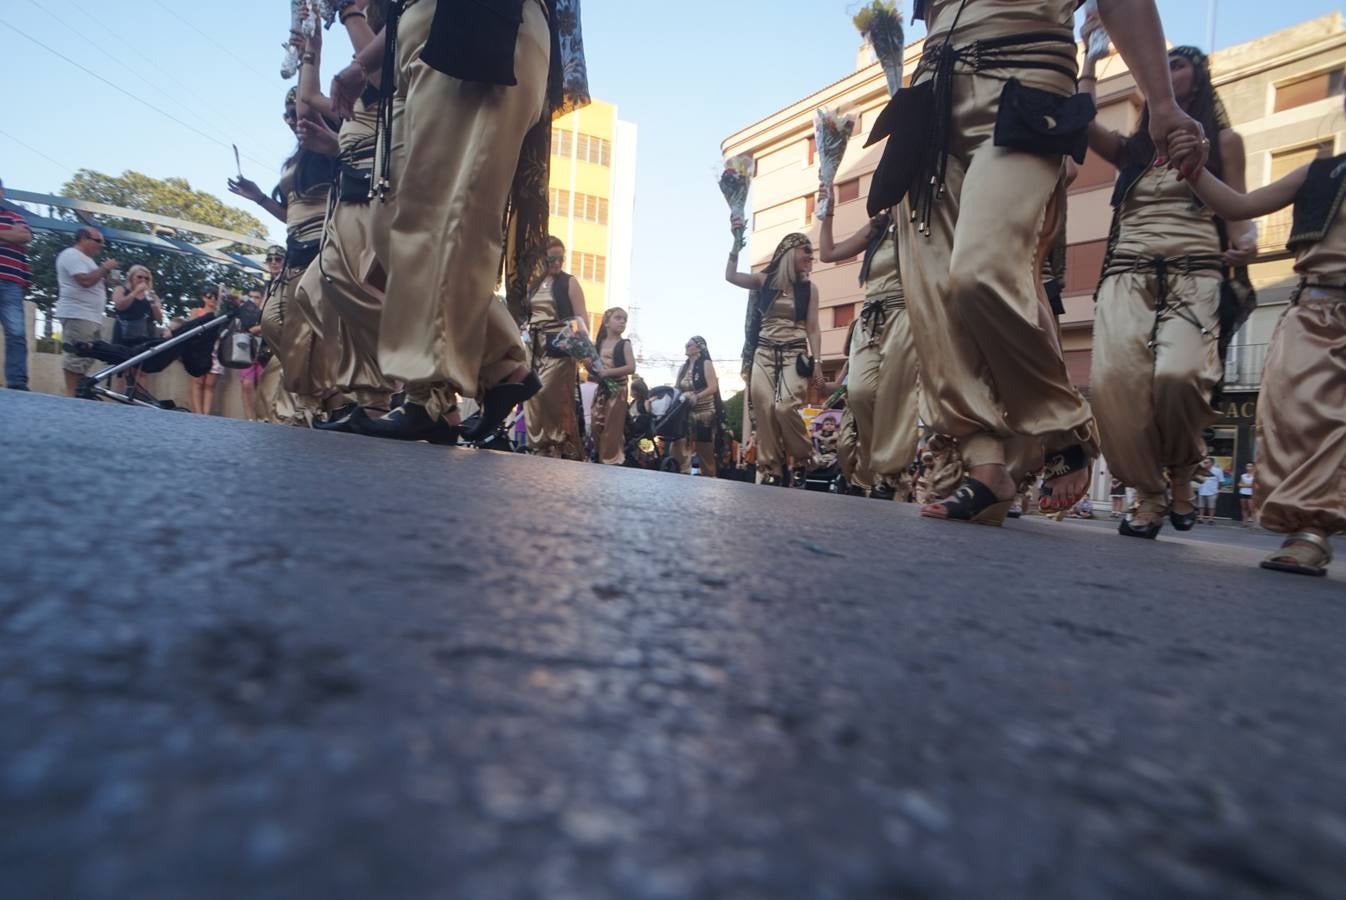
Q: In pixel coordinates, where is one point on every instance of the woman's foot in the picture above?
(984, 497)
(1066, 481)
(1303, 553)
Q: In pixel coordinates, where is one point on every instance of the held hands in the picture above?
(1169, 123)
(817, 377)
(347, 86)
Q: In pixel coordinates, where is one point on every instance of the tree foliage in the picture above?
(733, 411)
(178, 277)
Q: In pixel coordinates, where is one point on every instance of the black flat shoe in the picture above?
(345, 419)
(497, 402)
(1149, 532)
(1183, 521)
(409, 422)
(883, 492)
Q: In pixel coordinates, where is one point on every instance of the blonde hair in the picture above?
(786, 272)
(135, 270)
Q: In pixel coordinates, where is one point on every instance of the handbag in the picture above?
(1037, 121)
(236, 349)
(804, 365)
(131, 331)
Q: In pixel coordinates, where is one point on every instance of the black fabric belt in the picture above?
(1305, 284)
(1009, 53)
(874, 314)
(1164, 269)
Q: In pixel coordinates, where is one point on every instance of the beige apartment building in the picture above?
(1283, 92)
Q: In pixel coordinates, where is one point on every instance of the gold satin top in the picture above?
(1326, 259)
(357, 135)
(1159, 218)
(304, 213)
(685, 385)
(993, 18)
(605, 356)
(542, 309)
(778, 324)
(885, 281)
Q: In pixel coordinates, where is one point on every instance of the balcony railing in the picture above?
(1243, 366)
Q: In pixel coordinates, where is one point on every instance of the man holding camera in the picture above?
(82, 299)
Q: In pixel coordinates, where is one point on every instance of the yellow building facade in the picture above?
(592, 202)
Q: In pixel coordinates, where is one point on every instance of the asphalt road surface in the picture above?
(247, 661)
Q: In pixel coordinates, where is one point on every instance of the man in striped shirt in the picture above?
(15, 278)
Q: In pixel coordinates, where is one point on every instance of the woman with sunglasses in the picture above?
(139, 314)
(780, 354)
(553, 426)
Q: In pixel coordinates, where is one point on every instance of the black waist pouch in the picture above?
(353, 185)
(1037, 121)
(298, 254)
(804, 365)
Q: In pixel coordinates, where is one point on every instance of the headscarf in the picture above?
(787, 243)
(702, 353)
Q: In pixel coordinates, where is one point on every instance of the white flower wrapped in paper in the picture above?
(832, 132)
(1099, 42)
(304, 18)
(880, 23)
(734, 182)
(574, 340)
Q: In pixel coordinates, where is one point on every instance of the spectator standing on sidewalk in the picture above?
(1247, 488)
(15, 279)
(1211, 476)
(81, 303)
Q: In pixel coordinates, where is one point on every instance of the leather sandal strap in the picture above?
(1063, 462)
(1308, 537)
(970, 498)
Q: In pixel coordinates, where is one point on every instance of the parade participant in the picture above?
(699, 384)
(608, 418)
(300, 201)
(989, 371)
(881, 387)
(475, 89)
(334, 293)
(553, 426)
(273, 403)
(1301, 414)
(783, 340)
(1157, 325)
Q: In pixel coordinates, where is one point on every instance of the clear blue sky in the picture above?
(687, 74)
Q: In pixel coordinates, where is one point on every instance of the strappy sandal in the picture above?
(1150, 530)
(1059, 465)
(1303, 553)
(972, 502)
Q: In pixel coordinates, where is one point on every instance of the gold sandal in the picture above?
(1303, 553)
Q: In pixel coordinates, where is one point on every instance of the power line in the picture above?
(33, 149)
(120, 89)
(210, 40)
(145, 60)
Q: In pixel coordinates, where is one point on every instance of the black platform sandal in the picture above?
(1149, 532)
(972, 502)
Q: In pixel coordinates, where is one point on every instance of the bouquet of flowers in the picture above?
(1099, 42)
(832, 131)
(880, 23)
(734, 181)
(304, 17)
(574, 340)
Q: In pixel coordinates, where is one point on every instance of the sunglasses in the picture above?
(275, 259)
(96, 240)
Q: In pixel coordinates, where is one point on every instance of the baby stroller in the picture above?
(192, 343)
(824, 471)
(668, 414)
